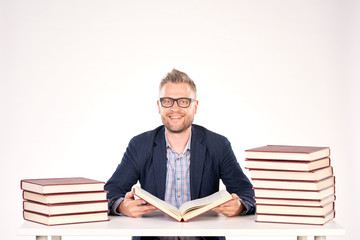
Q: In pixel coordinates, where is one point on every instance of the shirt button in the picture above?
(178, 179)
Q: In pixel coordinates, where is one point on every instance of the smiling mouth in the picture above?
(175, 117)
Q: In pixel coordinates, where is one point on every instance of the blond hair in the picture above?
(175, 76)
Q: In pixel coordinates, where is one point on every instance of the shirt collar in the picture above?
(187, 147)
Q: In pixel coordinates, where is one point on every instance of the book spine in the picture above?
(294, 199)
(296, 190)
(278, 205)
(66, 203)
(65, 193)
(313, 224)
(60, 223)
(291, 215)
(66, 214)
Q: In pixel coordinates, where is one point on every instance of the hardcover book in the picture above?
(294, 194)
(66, 208)
(61, 185)
(284, 152)
(187, 210)
(311, 220)
(294, 210)
(287, 165)
(64, 197)
(51, 220)
(314, 175)
(295, 202)
(294, 184)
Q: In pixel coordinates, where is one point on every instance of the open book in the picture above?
(187, 210)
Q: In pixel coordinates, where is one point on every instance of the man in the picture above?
(179, 161)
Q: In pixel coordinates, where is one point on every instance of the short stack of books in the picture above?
(292, 184)
(55, 201)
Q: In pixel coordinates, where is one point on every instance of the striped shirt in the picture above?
(178, 180)
(178, 175)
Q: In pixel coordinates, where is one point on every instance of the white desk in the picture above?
(158, 224)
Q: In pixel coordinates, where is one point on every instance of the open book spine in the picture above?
(170, 214)
(192, 208)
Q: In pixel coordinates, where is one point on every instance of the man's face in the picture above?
(175, 118)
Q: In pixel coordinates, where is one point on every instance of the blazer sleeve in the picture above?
(124, 177)
(234, 178)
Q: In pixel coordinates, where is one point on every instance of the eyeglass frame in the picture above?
(176, 100)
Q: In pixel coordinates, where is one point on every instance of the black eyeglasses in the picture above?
(167, 102)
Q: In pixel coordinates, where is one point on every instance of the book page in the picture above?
(157, 202)
(201, 202)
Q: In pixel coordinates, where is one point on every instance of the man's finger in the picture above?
(129, 195)
(235, 196)
(139, 202)
(138, 211)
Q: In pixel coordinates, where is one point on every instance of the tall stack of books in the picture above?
(55, 201)
(292, 184)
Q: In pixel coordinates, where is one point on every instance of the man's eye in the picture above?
(167, 101)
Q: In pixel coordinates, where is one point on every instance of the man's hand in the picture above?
(134, 208)
(230, 208)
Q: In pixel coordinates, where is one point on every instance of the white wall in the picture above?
(80, 78)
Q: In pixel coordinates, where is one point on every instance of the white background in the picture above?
(80, 78)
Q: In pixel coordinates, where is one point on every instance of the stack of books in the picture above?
(292, 184)
(55, 201)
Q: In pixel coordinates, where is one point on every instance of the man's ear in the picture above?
(158, 104)
(196, 106)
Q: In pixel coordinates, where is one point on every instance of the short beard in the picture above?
(181, 129)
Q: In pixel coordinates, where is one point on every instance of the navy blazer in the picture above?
(211, 159)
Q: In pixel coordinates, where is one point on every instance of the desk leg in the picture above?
(301, 237)
(320, 237)
(46, 238)
(41, 237)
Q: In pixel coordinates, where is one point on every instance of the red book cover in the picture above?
(295, 202)
(58, 185)
(294, 194)
(285, 152)
(296, 190)
(51, 220)
(294, 184)
(286, 165)
(291, 219)
(70, 197)
(65, 208)
(314, 175)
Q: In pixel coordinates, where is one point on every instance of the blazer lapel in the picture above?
(197, 160)
(159, 159)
